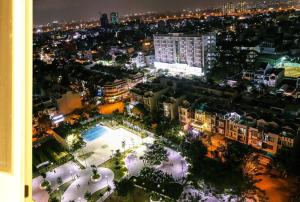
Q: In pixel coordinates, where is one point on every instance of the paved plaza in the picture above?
(76, 193)
(68, 172)
(104, 146)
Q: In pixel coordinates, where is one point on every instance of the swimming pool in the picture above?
(94, 133)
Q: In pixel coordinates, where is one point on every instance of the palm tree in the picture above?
(101, 195)
(59, 181)
(49, 189)
(95, 172)
(108, 189)
(87, 195)
(44, 176)
(54, 200)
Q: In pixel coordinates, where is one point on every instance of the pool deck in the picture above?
(109, 142)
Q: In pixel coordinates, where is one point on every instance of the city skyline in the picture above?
(166, 100)
(46, 11)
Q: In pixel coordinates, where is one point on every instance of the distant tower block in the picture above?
(114, 18)
(103, 20)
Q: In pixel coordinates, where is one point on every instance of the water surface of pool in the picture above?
(94, 133)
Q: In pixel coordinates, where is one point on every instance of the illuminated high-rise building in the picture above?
(241, 7)
(228, 8)
(114, 18)
(185, 54)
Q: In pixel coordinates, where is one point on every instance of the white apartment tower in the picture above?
(185, 54)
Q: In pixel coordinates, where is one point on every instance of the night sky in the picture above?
(65, 10)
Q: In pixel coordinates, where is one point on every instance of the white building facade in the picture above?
(185, 54)
(139, 60)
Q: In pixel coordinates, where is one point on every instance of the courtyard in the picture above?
(103, 142)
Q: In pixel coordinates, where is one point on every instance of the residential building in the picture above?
(150, 60)
(185, 54)
(273, 76)
(241, 7)
(170, 106)
(267, 136)
(262, 139)
(204, 121)
(228, 8)
(270, 77)
(148, 95)
(115, 91)
(138, 60)
(184, 114)
(236, 130)
(134, 79)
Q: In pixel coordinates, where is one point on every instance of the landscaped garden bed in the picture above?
(56, 195)
(97, 195)
(45, 184)
(96, 178)
(117, 165)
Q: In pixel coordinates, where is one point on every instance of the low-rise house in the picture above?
(270, 77)
(184, 114)
(262, 139)
(170, 106)
(148, 95)
(236, 128)
(273, 76)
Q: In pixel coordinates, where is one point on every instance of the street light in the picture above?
(71, 173)
(59, 192)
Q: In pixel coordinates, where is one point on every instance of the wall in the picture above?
(12, 184)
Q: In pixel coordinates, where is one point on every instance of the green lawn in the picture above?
(97, 195)
(58, 193)
(119, 170)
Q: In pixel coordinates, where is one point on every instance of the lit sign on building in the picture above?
(58, 119)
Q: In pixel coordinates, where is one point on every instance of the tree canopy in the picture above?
(124, 187)
(155, 154)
